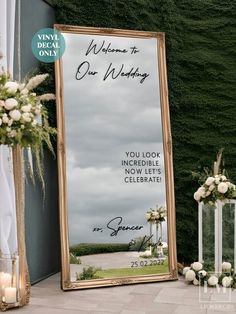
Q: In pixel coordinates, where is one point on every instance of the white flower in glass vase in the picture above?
(190, 275)
(11, 87)
(196, 266)
(227, 281)
(213, 280)
(15, 115)
(222, 187)
(209, 181)
(10, 103)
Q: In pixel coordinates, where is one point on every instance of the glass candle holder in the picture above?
(9, 281)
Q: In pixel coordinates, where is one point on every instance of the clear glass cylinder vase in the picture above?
(9, 281)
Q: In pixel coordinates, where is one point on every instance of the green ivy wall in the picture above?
(201, 54)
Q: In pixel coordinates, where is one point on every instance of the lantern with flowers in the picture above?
(216, 219)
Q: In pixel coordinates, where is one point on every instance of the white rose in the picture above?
(223, 178)
(222, 187)
(211, 187)
(202, 191)
(11, 87)
(156, 215)
(202, 273)
(208, 193)
(226, 281)
(12, 133)
(26, 108)
(190, 275)
(197, 196)
(26, 117)
(5, 118)
(226, 266)
(209, 181)
(197, 266)
(10, 121)
(148, 216)
(0, 121)
(24, 91)
(185, 270)
(195, 282)
(34, 123)
(15, 115)
(10, 103)
(213, 280)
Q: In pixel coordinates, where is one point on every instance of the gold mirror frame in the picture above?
(66, 282)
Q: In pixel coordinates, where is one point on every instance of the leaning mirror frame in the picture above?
(67, 283)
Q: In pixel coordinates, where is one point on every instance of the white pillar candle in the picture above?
(10, 295)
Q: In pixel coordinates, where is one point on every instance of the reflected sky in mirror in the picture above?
(106, 118)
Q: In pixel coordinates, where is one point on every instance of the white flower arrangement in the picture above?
(156, 215)
(196, 275)
(24, 118)
(215, 188)
(20, 109)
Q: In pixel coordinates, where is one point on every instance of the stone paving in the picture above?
(172, 297)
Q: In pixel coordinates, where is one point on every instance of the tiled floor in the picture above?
(173, 297)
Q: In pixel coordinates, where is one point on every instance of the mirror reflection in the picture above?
(115, 161)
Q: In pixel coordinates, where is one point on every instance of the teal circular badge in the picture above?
(48, 45)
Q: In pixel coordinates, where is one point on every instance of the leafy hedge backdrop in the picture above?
(201, 54)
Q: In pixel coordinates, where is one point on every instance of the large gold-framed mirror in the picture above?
(117, 210)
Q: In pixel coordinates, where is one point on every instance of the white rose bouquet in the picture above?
(156, 215)
(23, 118)
(215, 188)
